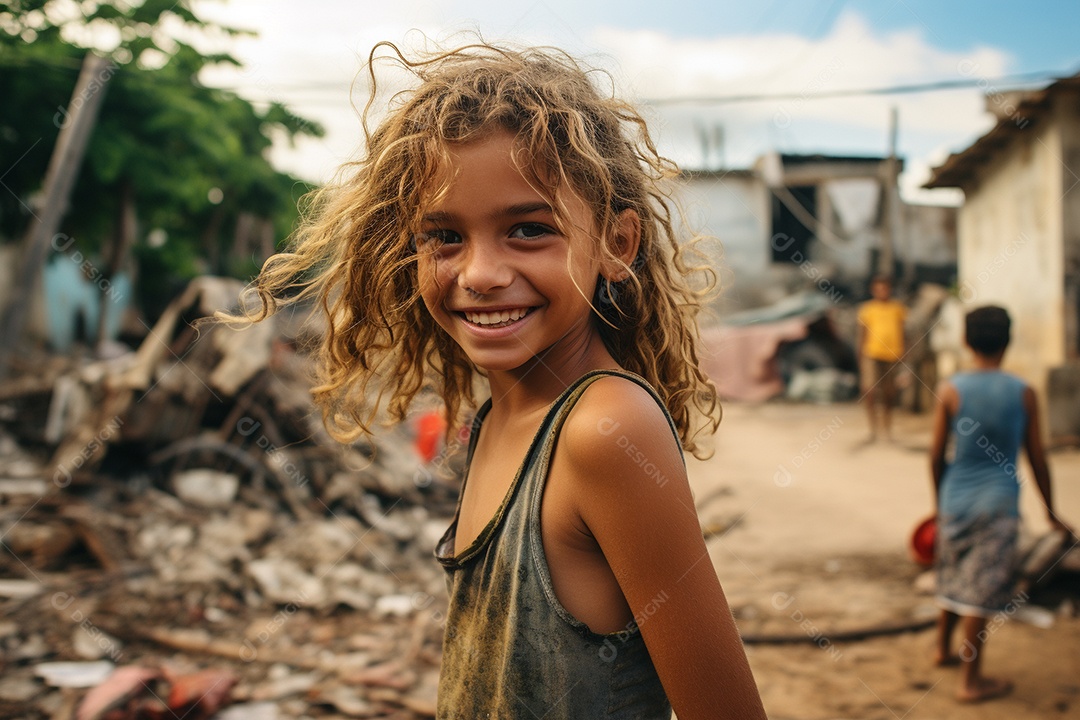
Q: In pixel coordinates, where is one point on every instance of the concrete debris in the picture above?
(94, 644)
(20, 589)
(180, 535)
(250, 711)
(74, 674)
(44, 544)
(206, 488)
(398, 605)
(285, 686)
(18, 690)
(32, 487)
(284, 581)
(29, 646)
(346, 701)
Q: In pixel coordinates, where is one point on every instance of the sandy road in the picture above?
(820, 522)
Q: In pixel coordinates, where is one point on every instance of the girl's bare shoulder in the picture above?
(617, 428)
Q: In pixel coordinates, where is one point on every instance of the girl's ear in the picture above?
(626, 241)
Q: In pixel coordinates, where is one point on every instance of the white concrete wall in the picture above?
(928, 234)
(734, 209)
(1068, 117)
(1010, 247)
(850, 206)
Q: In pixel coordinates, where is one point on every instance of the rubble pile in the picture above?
(179, 538)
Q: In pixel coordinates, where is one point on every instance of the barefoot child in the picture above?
(506, 221)
(991, 414)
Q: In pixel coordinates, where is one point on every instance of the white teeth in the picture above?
(496, 318)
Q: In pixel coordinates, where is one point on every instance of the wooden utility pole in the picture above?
(75, 126)
(891, 207)
(124, 232)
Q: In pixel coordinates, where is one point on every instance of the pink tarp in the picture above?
(741, 359)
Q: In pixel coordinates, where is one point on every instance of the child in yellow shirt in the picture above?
(881, 349)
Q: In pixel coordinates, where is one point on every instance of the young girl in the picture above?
(505, 222)
(992, 414)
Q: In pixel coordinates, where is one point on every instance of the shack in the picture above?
(796, 222)
(1019, 235)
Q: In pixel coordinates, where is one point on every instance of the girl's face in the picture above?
(493, 267)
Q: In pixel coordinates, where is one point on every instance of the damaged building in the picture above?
(797, 238)
(803, 221)
(1019, 236)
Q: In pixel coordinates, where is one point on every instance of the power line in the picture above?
(322, 86)
(1023, 78)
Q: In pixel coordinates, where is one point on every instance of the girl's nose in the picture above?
(484, 269)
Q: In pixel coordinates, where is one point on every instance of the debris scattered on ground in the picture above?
(180, 537)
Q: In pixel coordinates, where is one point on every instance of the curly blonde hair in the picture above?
(354, 249)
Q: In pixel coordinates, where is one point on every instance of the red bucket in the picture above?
(922, 542)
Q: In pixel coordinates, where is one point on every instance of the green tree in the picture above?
(190, 162)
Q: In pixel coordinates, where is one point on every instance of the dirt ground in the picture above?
(808, 528)
(818, 525)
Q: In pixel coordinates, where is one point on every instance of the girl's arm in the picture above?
(627, 473)
(943, 413)
(1033, 446)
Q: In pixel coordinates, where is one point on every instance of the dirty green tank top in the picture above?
(510, 649)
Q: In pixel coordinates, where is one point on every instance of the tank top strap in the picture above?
(560, 409)
(474, 430)
(574, 394)
(569, 399)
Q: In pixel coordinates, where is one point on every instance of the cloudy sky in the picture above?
(785, 52)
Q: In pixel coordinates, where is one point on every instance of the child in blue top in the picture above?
(507, 221)
(991, 415)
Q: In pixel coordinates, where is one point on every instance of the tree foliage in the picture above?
(193, 159)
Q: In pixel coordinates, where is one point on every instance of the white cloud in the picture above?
(310, 60)
(851, 56)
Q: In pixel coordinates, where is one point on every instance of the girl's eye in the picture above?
(529, 231)
(436, 238)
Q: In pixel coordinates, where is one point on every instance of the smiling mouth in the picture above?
(498, 318)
